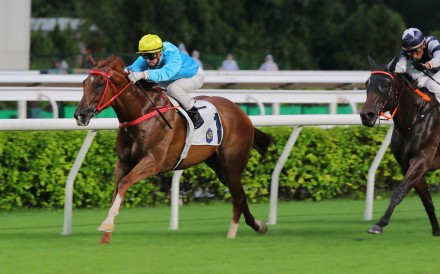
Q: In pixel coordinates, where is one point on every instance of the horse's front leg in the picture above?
(414, 174)
(121, 170)
(142, 170)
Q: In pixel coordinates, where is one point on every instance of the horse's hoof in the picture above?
(262, 227)
(375, 229)
(106, 228)
(436, 233)
(105, 239)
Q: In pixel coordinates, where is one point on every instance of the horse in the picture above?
(152, 133)
(416, 135)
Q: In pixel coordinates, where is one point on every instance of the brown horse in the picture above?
(416, 136)
(146, 147)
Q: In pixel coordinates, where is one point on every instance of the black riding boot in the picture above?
(195, 116)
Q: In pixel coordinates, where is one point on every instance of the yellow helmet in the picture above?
(150, 43)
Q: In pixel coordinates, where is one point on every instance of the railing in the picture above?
(261, 88)
(216, 79)
(270, 120)
(257, 87)
(275, 98)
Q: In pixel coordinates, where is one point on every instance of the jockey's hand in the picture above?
(419, 66)
(135, 76)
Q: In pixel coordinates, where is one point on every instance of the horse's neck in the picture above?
(410, 104)
(133, 104)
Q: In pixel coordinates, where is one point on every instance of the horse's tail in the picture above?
(262, 141)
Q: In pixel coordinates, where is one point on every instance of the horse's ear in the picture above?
(92, 62)
(372, 62)
(392, 65)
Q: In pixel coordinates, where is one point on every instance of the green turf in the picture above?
(310, 237)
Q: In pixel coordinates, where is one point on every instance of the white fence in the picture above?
(253, 96)
(271, 120)
(31, 86)
(258, 87)
(214, 79)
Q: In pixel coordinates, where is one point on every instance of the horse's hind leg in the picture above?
(412, 177)
(231, 177)
(425, 196)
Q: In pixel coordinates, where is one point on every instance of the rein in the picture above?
(158, 110)
(424, 96)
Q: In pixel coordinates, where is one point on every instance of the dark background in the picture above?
(300, 34)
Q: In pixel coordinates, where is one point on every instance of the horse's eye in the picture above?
(386, 84)
(98, 85)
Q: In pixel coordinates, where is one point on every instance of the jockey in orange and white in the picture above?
(420, 57)
(165, 64)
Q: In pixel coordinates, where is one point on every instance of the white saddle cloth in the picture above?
(211, 132)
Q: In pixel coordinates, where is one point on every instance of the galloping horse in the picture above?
(416, 136)
(152, 137)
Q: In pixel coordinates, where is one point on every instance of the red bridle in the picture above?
(102, 105)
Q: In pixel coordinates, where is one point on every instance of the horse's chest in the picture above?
(146, 144)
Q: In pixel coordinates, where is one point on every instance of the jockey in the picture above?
(420, 57)
(166, 65)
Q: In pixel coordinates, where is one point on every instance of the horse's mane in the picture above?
(116, 63)
(111, 63)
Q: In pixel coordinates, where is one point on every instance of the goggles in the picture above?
(149, 56)
(416, 50)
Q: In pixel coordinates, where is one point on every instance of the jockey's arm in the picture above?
(434, 48)
(173, 63)
(401, 64)
(139, 65)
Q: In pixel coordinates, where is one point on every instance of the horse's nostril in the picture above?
(368, 116)
(78, 116)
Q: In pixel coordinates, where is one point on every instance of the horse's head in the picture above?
(105, 81)
(381, 92)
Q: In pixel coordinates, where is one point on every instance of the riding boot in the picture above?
(195, 116)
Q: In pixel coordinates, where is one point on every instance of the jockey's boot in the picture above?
(195, 116)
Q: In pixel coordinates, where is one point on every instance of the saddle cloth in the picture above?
(211, 132)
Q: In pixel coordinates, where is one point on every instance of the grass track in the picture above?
(310, 237)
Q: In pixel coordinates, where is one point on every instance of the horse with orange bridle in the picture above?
(416, 136)
(152, 136)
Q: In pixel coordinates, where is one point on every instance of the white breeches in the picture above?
(433, 86)
(180, 88)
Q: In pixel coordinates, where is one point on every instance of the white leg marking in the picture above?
(232, 230)
(114, 210)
